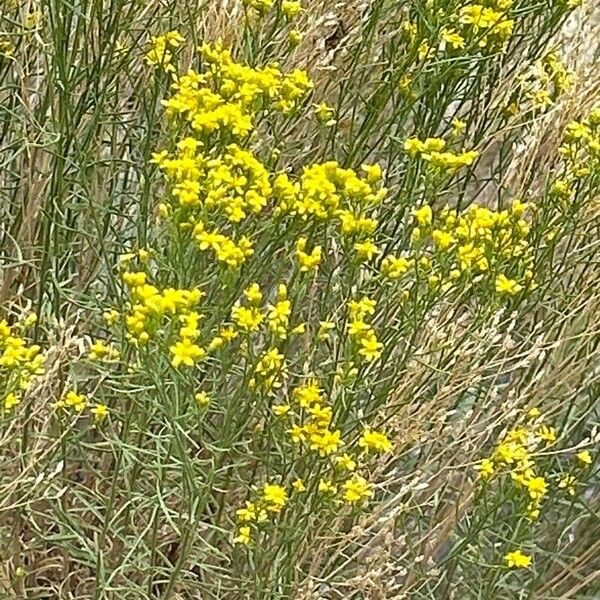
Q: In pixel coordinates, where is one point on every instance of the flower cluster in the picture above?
(476, 245)
(73, 403)
(515, 454)
(269, 370)
(519, 454)
(162, 48)
(360, 331)
(312, 431)
(433, 150)
(487, 23)
(581, 149)
(150, 306)
(20, 361)
(314, 418)
(271, 499)
(226, 97)
(214, 189)
(328, 191)
(540, 85)
(289, 9)
(517, 559)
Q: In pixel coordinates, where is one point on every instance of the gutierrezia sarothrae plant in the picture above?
(221, 194)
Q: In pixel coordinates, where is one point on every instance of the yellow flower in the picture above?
(394, 267)
(299, 486)
(321, 415)
(453, 38)
(251, 513)
(161, 50)
(5, 330)
(537, 487)
(187, 353)
(359, 329)
(370, 348)
(458, 126)
(374, 440)
(10, 401)
(326, 441)
(373, 173)
(216, 343)
(299, 329)
(485, 468)
(243, 536)
(72, 400)
(517, 559)
(281, 409)
(248, 319)
(297, 433)
(100, 412)
(504, 285)
(413, 146)
(202, 398)
(228, 333)
(30, 319)
(568, 482)
(324, 114)
(548, 434)
(442, 239)
(511, 452)
(253, 294)
(434, 144)
(366, 249)
(279, 317)
(359, 309)
(261, 6)
(327, 487)
(308, 394)
(423, 215)
(346, 462)
(100, 350)
(585, 457)
(274, 496)
(290, 8)
(295, 36)
(357, 489)
(111, 317)
(324, 328)
(308, 261)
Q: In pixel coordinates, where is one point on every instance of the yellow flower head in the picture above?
(507, 286)
(485, 468)
(346, 462)
(517, 559)
(247, 319)
(100, 412)
(357, 489)
(327, 487)
(375, 441)
(274, 496)
(243, 536)
(308, 261)
(202, 398)
(186, 353)
(585, 457)
(299, 486)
